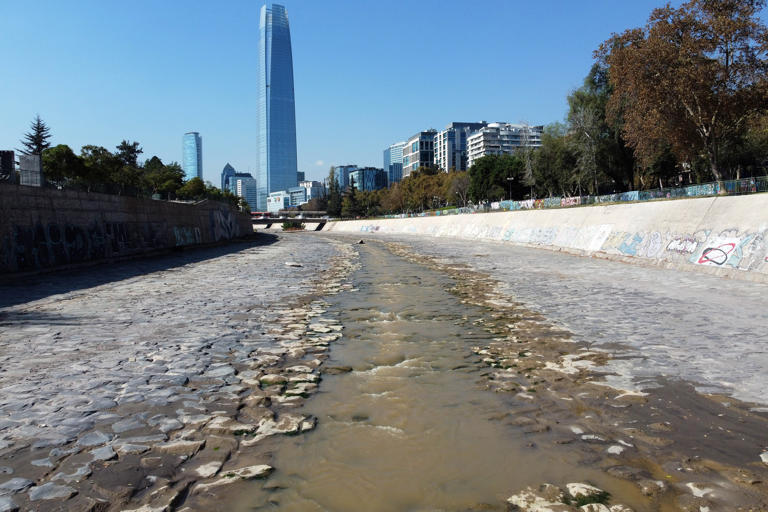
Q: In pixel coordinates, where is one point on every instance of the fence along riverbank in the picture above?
(724, 235)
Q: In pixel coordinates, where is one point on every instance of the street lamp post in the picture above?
(510, 180)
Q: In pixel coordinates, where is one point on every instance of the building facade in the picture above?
(314, 189)
(393, 162)
(451, 145)
(502, 139)
(275, 111)
(368, 178)
(192, 155)
(245, 187)
(277, 201)
(300, 176)
(342, 175)
(226, 174)
(419, 151)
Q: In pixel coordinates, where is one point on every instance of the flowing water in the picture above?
(410, 428)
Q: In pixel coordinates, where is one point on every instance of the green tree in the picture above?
(194, 188)
(61, 164)
(495, 177)
(36, 140)
(456, 188)
(350, 206)
(554, 163)
(334, 194)
(162, 179)
(100, 167)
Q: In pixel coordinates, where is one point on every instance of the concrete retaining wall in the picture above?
(44, 228)
(721, 235)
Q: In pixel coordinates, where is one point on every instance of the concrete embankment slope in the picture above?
(722, 235)
(45, 228)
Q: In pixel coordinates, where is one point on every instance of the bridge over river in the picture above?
(309, 372)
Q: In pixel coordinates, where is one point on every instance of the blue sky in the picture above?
(366, 73)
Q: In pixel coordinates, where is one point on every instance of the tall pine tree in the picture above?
(36, 140)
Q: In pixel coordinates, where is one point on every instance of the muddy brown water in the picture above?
(410, 428)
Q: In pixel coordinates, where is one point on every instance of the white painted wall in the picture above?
(725, 235)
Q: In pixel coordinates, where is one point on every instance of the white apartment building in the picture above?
(451, 145)
(501, 139)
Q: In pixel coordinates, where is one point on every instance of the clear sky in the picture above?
(367, 73)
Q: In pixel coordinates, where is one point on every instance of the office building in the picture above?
(314, 189)
(192, 155)
(451, 145)
(419, 151)
(501, 139)
(226, 173)
(245, 187)
(275, 109)
(31, 171)
(368, 178)
(300, 176)
(279, 200)
(393, 162)
(342, 175)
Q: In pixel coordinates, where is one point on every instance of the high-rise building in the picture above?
(275, 111)
(368, 178)
(451, 145)
(192, 155)
(419, 151)
(393, 162)
(342, 175)
(300, 176)
(226, 174)
(502, 139)
(245, 187)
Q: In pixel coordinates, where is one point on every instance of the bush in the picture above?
(293, 225)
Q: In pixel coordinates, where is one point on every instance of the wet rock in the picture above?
(207, 470)
(620, 508)
(361, 241)
(6, 470)
(580, 489)
(130, 449)
(15, 485)
(94, 438)
(293, 264)
(187, 448)
(127, 424)
(272, 379)
(594, 507)
(651, 487)
(51, 491)
(104, 453)
(7, 504)
(764, 457)
(45, 463)
(625, 472)
(336, 370)
(79, 474)
(230, 477)
(531, 500)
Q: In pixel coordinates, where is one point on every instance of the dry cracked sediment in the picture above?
(682, 449)
(171, 439)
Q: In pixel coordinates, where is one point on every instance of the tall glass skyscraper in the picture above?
(192, 155)
(393, 162)
(276, 112)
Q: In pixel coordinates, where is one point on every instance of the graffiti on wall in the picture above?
(186, 235)
(224, 225)
(47, 245)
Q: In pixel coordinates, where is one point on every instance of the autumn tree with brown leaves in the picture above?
(692, 79)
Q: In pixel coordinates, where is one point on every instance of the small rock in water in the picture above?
(293, 264)
(764, 457)
(586, 490)
(361, 241)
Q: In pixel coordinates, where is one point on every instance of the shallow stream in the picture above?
(410, 427)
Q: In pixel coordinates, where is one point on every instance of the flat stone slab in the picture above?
(15, 485)
(51, 491)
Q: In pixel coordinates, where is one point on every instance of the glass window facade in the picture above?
(276, 113)
(192, 155)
